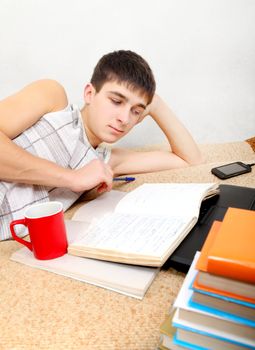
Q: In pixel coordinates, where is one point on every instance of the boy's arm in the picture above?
(23, 109)
(19, 112)
(183, 149)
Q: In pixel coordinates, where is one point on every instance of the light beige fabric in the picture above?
(40, 310)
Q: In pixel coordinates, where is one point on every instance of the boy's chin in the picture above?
(111, 138)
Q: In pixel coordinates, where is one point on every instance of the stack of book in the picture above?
(215, 308)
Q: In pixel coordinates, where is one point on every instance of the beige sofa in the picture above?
(41, 310)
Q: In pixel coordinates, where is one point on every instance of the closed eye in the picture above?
(115, 101)
(138, 112)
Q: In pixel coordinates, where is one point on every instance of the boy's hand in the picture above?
(151, 108)
(95, 173)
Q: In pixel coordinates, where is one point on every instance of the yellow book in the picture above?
(167, 332)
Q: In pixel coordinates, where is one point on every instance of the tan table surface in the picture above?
(42, 310)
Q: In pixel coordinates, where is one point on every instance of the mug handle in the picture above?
(18, 239)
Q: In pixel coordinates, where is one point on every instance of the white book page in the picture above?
(102, 205)
(159, 199)
(133, 234)
(123, 278)
(165, 199)
(126, 279)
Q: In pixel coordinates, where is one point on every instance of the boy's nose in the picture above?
(124, 117)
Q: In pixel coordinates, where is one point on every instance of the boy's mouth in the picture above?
(116, 130)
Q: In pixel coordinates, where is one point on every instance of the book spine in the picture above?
(233, 269)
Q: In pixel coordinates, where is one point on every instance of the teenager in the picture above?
(51, 150)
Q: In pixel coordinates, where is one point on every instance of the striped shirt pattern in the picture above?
(60, 138)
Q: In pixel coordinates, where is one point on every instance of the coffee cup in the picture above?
(46, 229)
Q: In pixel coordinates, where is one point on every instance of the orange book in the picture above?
(213, 283)
(203, 258)
(232, 253)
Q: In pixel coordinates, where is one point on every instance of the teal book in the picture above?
(192, 339)
(215, 324)
(226, 306)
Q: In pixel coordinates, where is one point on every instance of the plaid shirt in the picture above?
(60, 138)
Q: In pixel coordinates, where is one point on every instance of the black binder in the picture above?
(212, 209)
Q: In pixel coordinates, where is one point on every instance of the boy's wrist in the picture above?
(66, 179)
(156, 105)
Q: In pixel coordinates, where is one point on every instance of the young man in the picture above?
(50, 150)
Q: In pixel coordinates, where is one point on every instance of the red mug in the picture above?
(46, 228)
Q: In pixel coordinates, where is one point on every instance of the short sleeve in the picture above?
(104, 153)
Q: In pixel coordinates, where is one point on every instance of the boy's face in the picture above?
(112, 112)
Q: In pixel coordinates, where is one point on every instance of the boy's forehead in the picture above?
(127, 91)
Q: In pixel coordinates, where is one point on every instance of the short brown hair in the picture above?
(125, 66)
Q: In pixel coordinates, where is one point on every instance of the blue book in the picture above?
(223, 305)
(221, 325)
(203, 341)
(187, 345)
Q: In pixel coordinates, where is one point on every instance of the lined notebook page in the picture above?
(164, 199)
(130, 233)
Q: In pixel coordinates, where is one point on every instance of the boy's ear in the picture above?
(89, 92)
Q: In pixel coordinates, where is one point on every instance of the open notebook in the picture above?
(142, 227)
(130, 280)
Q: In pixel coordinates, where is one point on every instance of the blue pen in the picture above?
(126, 178)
